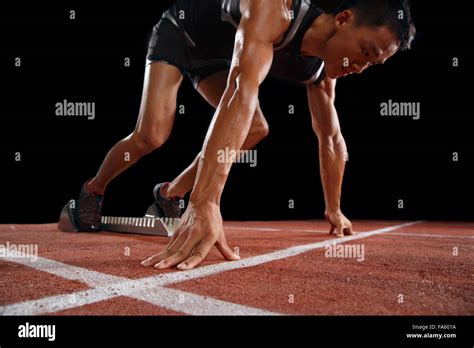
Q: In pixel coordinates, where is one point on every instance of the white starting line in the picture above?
(430, 235)
(267, 229)
(152, 289)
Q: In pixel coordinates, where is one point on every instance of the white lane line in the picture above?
(185, 302)
(107, 287)
(428, 235)
(454, 224)
(176, 300)
(56, 303)
(176, 277)
(69, 272)
(316, 222)
(273, 229)
(265, 229)
(141, 288)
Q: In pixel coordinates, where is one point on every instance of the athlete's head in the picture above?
(367, 32)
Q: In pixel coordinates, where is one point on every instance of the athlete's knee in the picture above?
(260, 129)
(147, 141)
(263, 130)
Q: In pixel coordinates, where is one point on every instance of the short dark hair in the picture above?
(393, 14)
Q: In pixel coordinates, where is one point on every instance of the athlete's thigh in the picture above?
(158, 105)
(212, 88)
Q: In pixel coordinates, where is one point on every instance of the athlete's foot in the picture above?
(165, 204)
(92, 187)
(88, 210)
(172, 191)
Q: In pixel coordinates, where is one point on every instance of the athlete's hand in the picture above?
(339, 224)
(200, 228)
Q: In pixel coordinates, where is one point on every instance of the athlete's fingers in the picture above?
(156, 258)
(173, 260)
(179, 241)
(333, 227)
(225, 250)
(182, 227)
(180, 255)
(173, 246)
(348, 230)
(198, 255)
(340, 231)
(173, 238)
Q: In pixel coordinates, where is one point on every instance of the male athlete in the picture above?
(228, 48)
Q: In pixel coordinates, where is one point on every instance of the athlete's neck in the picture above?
(314, 40)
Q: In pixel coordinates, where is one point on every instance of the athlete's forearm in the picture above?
(332, 158)
(332, 147)
(259, 28)
(227, 133)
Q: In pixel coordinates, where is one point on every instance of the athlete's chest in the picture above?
(289, 65)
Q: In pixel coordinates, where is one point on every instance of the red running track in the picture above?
(421, 269)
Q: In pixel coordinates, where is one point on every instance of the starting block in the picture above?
(150, 224)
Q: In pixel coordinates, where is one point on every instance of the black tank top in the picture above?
(210, 27)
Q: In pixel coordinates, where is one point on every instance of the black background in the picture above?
(354, 332)
(82, 60)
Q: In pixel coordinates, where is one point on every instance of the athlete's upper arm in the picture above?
(262, 24)
(321, 99)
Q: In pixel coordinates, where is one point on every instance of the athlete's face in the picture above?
(352, 49)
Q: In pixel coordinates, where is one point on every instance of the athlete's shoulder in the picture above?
(270, 18)
(324, 84)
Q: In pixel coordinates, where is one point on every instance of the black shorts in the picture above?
(170, 44)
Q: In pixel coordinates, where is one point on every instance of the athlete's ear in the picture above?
(343, 18)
